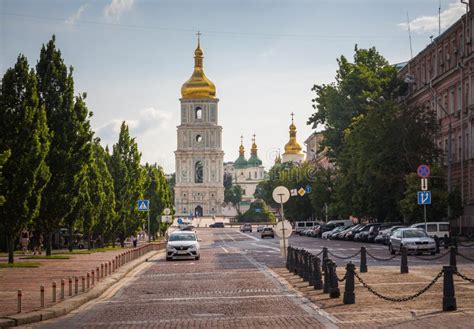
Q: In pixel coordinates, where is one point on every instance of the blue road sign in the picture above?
(308, 189)
(258, 210)
(423, 171)
(424, 197)
(180, 221)
(143, 205)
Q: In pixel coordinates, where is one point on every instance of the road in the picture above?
(232, 285)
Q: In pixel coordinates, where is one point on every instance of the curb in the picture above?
(66, 306)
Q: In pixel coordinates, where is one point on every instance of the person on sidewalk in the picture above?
(24, 241)
(135, 241)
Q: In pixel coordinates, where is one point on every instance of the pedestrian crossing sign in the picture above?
(143, 205)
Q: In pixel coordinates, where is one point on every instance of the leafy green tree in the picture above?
(128, 176)
(437, 210)
(233, 195)
(25, 138)
(257, 213)
(227, 181)
(68, 121)
(322, 196)
(159, 194)
(3, 159)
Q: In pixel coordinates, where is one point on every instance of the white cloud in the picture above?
(77, 15)
(116, 8)
(425, 24)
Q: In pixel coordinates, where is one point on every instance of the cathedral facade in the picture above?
(199, 189)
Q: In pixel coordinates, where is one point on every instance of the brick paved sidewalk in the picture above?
(30, 279)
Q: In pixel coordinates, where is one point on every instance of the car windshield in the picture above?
(414, 234)
(182, 237)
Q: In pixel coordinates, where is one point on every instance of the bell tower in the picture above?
(199, 159)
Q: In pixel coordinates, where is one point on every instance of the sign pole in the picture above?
(424, 215)
(283, 224)
(149, 236)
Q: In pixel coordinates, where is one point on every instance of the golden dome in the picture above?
(293, 147)
(198, 86)
(254, 146)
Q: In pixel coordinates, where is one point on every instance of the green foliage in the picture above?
(455, 202)
(25, 139)
(3, 159)
(68, 123)
(158, 192)
(233, 195)
(128, 177)
(292, 176)
(437, 210)
(257, 213)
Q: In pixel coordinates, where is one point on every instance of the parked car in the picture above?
(260, 228)
(438, 229)
(304, 225)
(183, 245)
(328, 234)
(342, 235)
(352, 233)
(384, 235)
(217, 225)
(267, 232)
(246, 228)
(413, 239)
(363, 234)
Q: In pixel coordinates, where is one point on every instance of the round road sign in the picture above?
(283, 226)
(167, 211)
(423, 171)
(281, 194)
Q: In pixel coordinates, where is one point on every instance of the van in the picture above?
(339, 222)
(435, 229)
(301, 226)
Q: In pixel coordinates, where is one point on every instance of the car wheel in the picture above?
(433, 253)
(198, 257)
(168, 259)
(390, 248)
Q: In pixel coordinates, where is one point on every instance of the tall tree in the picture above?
(3, 159)
(128, 176)
(25, 136)
(68, 120)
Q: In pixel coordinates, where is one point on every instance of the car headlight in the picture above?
(169, 248)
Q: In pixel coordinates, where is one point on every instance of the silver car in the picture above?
(413, 239)
(183, 245)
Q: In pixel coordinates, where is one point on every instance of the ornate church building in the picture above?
(199, 189)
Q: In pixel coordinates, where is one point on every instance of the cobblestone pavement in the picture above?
(230, 286)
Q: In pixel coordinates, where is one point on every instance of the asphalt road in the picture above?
(232, 285)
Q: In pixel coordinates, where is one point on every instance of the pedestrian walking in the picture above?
(24, 240)
(135, 241)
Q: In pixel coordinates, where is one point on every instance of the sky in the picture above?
(264, 56)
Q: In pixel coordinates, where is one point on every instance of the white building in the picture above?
(199, 189)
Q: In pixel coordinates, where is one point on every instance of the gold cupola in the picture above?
(292, 147)
(198, 86)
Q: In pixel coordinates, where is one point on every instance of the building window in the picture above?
(255, 174)
(184, 209)
(198, 138)
(250, 175)
(198, 172)
(198, 113)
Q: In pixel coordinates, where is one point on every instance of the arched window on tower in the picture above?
(198, 172)
(198, 113)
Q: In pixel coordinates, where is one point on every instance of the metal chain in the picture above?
(319, 253)
(465, 257)
(463, 277)
(341, 280)
(381, 259)
(342, 257)
(401, 299)
(432, 258)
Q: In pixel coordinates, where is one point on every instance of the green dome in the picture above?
(240, 162)
(254, 161)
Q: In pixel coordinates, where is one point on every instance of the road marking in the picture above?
(230, 236)
(251, 237)
(225, 249)
(268, 247)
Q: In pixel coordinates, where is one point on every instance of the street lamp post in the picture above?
(411, 80)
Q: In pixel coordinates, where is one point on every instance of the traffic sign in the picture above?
(167, 211)
(281, 194)
(424, 197)
(166, 219)
(180, 221)
(143, 205)
(283, 228)
(424, 184)
(308, 189)
(423, 171)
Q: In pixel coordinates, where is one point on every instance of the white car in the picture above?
(183, 245)
(413, 239)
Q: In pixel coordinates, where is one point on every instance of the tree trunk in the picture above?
(70, 244)
(49, 243)
(11, 248)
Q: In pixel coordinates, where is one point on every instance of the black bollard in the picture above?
(288, 257)
(325, 253)
(363, 260)
(318, 283)
(305, 275)
(455, 242)
(326, 275)
(334, 291)
(349, 295)
(449, 298)
(446, 241)
(297, 262)
(312, 269)
(404, 261)
(452, 258)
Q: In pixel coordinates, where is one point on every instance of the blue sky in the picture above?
(132, 56)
